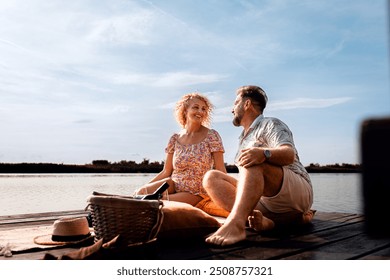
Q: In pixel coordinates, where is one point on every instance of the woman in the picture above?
(190, 154)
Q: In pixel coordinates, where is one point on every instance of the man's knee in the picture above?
(254, 170)
(210, 177)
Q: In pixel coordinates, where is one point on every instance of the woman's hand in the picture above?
(140, 191)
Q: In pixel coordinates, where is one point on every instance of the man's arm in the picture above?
(281, 156)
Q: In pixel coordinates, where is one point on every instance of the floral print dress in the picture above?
(192, 161)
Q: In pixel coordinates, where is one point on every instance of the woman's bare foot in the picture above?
(230, 233)
(259, 223)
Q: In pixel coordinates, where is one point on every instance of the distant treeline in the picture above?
(334, 168)
(104, 166)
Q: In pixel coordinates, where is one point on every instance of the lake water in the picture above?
(36, 193)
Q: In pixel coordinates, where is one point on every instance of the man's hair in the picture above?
(255, 93)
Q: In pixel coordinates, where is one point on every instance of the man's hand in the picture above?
(251, 156)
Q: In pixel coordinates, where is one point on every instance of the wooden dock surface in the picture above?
(330, 236)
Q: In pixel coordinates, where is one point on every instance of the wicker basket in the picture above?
(137, 221)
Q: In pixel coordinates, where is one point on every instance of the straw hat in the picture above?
(66, 231)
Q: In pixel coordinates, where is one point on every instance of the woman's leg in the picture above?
(184, 197)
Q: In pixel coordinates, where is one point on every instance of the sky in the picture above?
(98, 80)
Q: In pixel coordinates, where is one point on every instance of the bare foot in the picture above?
(308, 216)
(228, 234)
(258, 222)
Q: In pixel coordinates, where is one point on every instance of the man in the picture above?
(272, 182)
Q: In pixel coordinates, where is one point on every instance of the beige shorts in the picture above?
(295, 194)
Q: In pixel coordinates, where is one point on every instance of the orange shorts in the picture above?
(208, 206)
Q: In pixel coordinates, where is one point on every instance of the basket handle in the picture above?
(157, 226)
(112, 195)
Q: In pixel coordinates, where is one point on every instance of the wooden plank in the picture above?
(196, 249)
(254, 247)
(331, 236)
(38, 255)
(326, 219)
(260, 247)
(382, 254)
(6, 221)
(36, 219)
(351, 247)
(41, 214)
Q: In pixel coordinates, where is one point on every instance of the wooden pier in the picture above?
(330, 236)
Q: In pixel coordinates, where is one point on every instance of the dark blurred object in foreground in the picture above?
(375, 153)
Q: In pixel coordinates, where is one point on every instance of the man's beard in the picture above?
(237, 120)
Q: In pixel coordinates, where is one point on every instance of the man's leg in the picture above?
(221, 188)
(249, 189)
(254, 182)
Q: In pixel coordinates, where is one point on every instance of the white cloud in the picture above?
(225, 114)
(171, 79)
(124, 29)
(120, 65)
(307, 103)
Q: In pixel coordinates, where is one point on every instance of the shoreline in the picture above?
(144, 167)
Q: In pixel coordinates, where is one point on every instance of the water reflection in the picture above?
(33, 193)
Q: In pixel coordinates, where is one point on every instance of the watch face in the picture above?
(267, 153)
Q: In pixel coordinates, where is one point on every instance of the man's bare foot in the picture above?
(228, 234)
(308, 216)
(259, 223)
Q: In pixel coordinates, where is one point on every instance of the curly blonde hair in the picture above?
(182, 106)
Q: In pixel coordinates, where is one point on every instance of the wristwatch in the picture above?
(267, 154)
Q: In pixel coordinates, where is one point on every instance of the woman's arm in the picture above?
(219, 163)
(167, 169)
(159, 179)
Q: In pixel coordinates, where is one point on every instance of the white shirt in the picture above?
(271, 133)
